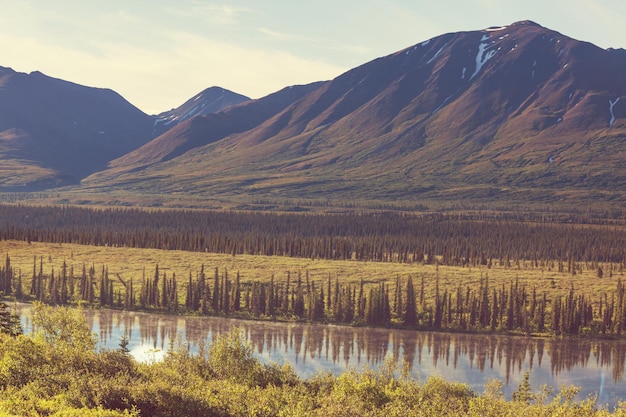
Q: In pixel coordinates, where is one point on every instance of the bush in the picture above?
(231, 357)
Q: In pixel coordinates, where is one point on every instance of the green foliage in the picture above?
(63, 326)
(231, 357)
(41, 375)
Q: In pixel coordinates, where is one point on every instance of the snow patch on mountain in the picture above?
(612, 104)
(481, 56)
(436, 54)
(495, 28)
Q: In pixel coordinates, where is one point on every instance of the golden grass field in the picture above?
(131, 263)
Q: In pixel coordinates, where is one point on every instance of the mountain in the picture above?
(211, 100)
(517, 113)
(200, 131)
(53, 132)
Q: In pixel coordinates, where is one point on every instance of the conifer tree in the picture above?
(154, 298)
(298, 307)
(485, 311)
(53, 289)
(225, 293)
(164, 299)
(409, 317)
(8, 277)
(235, 304)
(285, 304)
(398, 308)
(216, 292)
(189, 298)
(19, 289)
(34, 284)
(64, 289)
(361, 304)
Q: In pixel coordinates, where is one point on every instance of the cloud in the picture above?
(257, 71)
(218, 13)
(157, 79)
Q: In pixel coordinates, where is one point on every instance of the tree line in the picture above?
(452, 239)
(403, 302)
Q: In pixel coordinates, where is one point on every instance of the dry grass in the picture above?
(130, 263)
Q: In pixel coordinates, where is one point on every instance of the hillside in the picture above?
(53, 132)
(517, 114)
(200, 131)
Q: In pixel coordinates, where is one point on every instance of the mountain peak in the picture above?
(525, 23)
(210, 100)
(508, 106)
(518, 111)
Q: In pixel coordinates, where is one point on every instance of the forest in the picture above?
(512, 308)
(455, 238)
(548, 275)
(492, 242)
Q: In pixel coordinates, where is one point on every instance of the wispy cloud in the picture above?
(218, 13)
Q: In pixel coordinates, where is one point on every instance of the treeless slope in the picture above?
(517, 109)
(203, 130)
(64, 129)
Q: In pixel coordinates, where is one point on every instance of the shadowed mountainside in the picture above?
(54, 132)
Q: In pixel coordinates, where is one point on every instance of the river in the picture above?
(596, 366)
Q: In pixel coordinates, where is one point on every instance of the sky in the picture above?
(157, 53)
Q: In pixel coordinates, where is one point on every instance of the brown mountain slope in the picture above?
(54, 132)
(519, 113)
(200, 131)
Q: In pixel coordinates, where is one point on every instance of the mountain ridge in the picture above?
(516, 114)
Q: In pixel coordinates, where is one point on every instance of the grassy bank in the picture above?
(133, 263)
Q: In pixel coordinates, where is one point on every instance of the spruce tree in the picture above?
(409, 317)
(9, 322)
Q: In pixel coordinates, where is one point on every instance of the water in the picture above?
(596, 366)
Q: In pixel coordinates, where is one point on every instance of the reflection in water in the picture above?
(310, 348)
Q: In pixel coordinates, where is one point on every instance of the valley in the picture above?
(471, 183)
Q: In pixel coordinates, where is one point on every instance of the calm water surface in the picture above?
(597, 366)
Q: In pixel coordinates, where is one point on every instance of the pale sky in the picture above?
(157, 53)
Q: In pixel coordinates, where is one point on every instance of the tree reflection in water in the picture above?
(311, 348)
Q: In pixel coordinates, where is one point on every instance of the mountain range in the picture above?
(517, 114)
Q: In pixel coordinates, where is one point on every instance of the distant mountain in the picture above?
(517, 113)
(54, 132)
(211, 100)
(514, 114)
(199, 131)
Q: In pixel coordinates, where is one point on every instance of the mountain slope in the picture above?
(518, 112)
(199, 131)
(54, 132)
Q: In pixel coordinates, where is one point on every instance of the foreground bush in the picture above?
(58, 372)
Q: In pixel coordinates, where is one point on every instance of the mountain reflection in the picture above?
(311, 348)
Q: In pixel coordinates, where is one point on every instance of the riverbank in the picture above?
(597, 366)
(63, 372)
